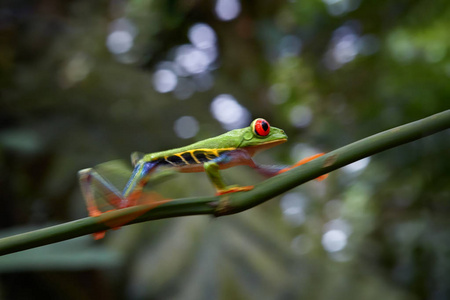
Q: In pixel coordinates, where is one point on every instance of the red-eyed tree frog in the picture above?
(233, 148)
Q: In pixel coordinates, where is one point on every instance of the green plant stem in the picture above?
(235, 202)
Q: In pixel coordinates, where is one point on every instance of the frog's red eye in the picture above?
(261, 127)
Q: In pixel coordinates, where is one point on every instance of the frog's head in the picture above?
(260, 135)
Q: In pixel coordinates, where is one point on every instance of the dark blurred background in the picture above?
(84, 82)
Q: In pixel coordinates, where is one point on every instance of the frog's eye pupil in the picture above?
(265, 126)
(261, 127)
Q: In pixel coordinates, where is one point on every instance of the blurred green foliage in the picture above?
(79, 87)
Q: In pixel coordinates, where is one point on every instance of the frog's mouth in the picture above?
(252, 150)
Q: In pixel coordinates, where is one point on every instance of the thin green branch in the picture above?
(236, 202)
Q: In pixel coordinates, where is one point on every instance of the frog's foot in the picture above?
(94, 212)
(234, 189)
(99, 235)
(304, 161)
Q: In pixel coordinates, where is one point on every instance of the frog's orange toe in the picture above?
(304, 161)
(307, 159)
(94, 212)
(234, 190)
(99, 235)
(322, 177)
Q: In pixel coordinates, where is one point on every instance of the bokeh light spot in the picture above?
(186, 127)
(300, 116)
(346, 49)
(227, 10)
(191, 59)
(229, 112)
(357, 166)
(164, 80)
(77, 69)
(346, 44)
(202, 36)
(119, 41)
(334, 240)
(293, 207)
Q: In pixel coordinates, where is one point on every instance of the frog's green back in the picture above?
(227, 141)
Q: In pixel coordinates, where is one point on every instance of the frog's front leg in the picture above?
(212, 168)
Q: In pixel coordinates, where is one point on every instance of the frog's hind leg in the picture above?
(304, 161)
(90, 180)
(133, 189)
(270, 171)
(98, 192)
